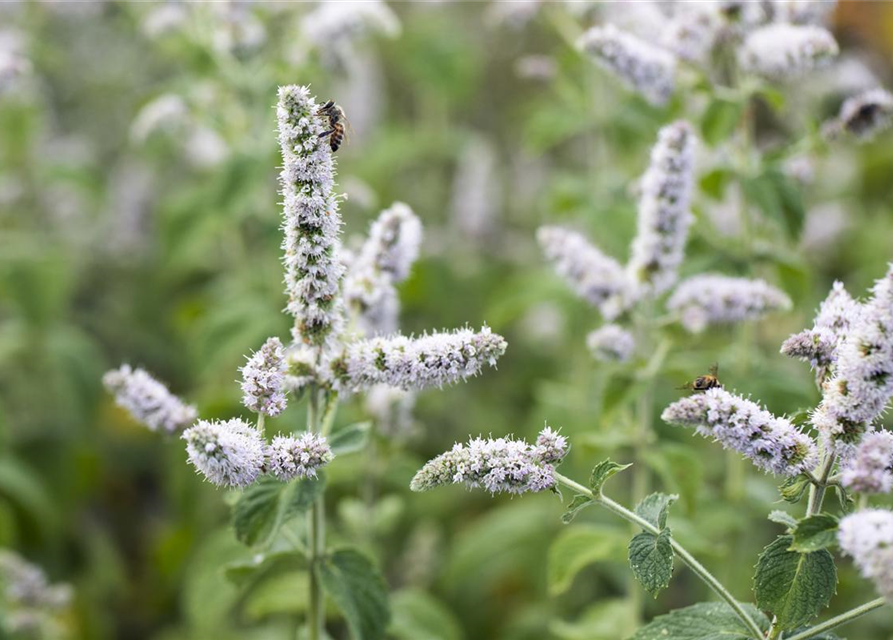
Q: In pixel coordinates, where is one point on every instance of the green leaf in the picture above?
(604, 620)
(418, 616)
(259, 565)
(844, 500)
(268, 503)
(793, 488)
(704, 621)
(814, 533)
(778, 198)
(720, 119)
(577, 504)
(782, 517)
(714, 183)
(350, 439)
(579, 546)
(602, 471)
(651, 559)
(654, 508)
(360, 592)
(794, 586)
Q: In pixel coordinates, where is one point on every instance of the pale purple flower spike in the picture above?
(263, 379)
(300, 457)
(228, 453)
(147, 400)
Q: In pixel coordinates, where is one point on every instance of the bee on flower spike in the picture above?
(705, 382)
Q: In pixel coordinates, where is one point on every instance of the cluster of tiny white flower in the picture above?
(870, 468)
(228, 453)
(861, 383)
(433, 360)
(785, 51)
(867, 536)
(384, 260)
(263, 379)
(709, 299)
(497, 465)
(300, 457)
(147, 400)
(611, 343)
(772, 443)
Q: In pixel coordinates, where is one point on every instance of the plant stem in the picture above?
(315, 537)
(843, 618)
(260, 423)
(687, 558)
(817, 492)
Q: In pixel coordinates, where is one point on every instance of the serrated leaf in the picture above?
(418, 616)
(602, 471)
(651, 559)
(359, 590)
(793, 586)
(654, 508)
(704, 621)
(350, 439)
(577, 547)
(782, 517)
(577, 504)
(264, 506)
(814, 533)
(793, 488)
(844, 500)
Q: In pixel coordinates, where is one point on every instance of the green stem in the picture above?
(817, 491)
(260, 423)
(328, 416)
(842, 619)
(687, 558)
(315, 538)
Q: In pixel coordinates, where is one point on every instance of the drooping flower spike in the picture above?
(498, 465)
(640, 65)
(148, 401)
(772, 443)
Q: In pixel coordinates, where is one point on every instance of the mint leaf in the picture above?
(651, 559)
(654, 508)
(360, 592)
(579, 546)
(814, 533)
(268, 503)
(794, 586)
(602, 471)
(704, 621)
(350, 439)
(579, 502)
(782, 517)
(793, 488)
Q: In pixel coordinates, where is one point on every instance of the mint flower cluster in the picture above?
(861, 384)
(233, 453)
(384, 261)
(867, 536)
(263, 379)
(785, 51)
(433, 360)
(148, 400)
(870, 468)
(611, 343)
(773, 444)
(29, 602)
(500, 465)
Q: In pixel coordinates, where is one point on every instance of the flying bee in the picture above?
(337, 119)
(705, 382)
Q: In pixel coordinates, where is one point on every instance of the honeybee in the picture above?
(705, 382)
(336, 117)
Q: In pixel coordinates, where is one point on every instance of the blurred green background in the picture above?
(139, 222)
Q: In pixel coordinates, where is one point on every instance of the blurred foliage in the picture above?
(164, 253)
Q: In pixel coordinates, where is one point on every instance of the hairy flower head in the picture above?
(867, 536)
(147, 400)
(784, 51)
(870, 467)
(709, 299)
(664, 216)
(640, 65)
(432, 360)
(496, 465)
(300, 457)
(263, 379)
(772, 443)
(228, 453)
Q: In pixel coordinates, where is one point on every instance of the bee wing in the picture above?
(714, 369)
(686, 387)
